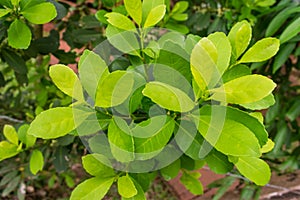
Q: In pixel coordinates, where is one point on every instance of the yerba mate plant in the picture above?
(151, 102)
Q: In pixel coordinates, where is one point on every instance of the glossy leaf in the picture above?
(236, 72)
(56, 122)
(121, 140)
(291, 31)
(168, 97)
(11, 134)
(92, 189)
(19, 35)
(114, 89)
(152, 135)
(218, 162)
(148, 5)
(134, 9)
(126, 187)
(264, 103)
(262, 50)
(191, 182)
(140, 192)
(40, 13)
(223, 47)
(254, 169)
(155, 15)
(245, 89)
(268, 146)
(67, 81)
(97, 165)
(36, 162)
(120, 21)
(7, 150)
(240, 37)
(171, 171)
(92, 70)
(227, 137)
(204, 68)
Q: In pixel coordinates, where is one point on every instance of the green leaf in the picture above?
(180, 7)
(279, 20)
(19, 35)
(148, 5)
(124, 41)
(140, 192)
(120, 21)
(134, 9)
(4, 12)
(265, 3)
(97, 165)
(8, 177)
(223, 46)
(36, 162)
(262, 50)
(56, 122)
(191, 182)
(7, 150)
(126, 187)
(114, 89)
(240, 37)
(294, 111)
(236, 72)
(283, 55)
(155, 15)
(264, 103)
(29, 140)
(40, 13)
(92, 189)
(218, 162)
(11, 134)
(121, 140)
(204, 59)
(180, 17)
(168, 97)
(291, 31)
(152, 135)
(226, 137)
(67, 81)
(254, 169)
(171, 171)
(268, 146)
(11, 186)
(245, 89)
(92, 70)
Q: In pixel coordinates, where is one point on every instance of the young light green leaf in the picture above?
(120, 21)
(168, 97)
(134, 9)
(56, 122)
(240, 37)
(114, 89)
(7, 150)
(92, 189)
(140, 192)
(40, 13)
(262, 50)
(97, 165)
(19, 35)
(36, 162)
(227, 138)
(126, 187)
(11, 134)
(223, 47)
(67, 81)
(4, 12)
(191, 182)
(125, 41)
(148, 5)
(268, 147)
(264, 103)
(204, 68)
(152, 135)
(92, 70)
(24, 137)
(121, 140)
(291, 31)
(171, 171)
(155, 15)
(254, 169)
(245, 89)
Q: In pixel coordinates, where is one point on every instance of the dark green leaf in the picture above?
(283, 55)
(15, 61)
